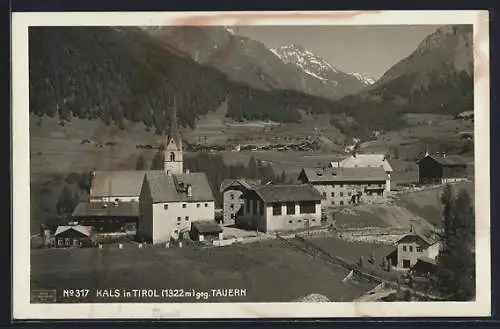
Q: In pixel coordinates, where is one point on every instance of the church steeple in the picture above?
(173, 151)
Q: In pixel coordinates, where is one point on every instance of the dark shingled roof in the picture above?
(416, 237)
(245, 182)
(282, 193)
(106, 209)
(448, 160)
(171, 188)
(206, 226)
(345, 174)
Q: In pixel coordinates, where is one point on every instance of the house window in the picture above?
(420, 249)
(333, 202)
(165, 206)
(341, 193)
(307, 207)
(232, 196)
(341, 203)
(324, 194)
(404, 248)
(300, 221)
(231, 206)
(178, 219)
(232, 216)
(172, 156)
(411, 248)
(276, 209)
(197, 205)
(332, 194)
(406, 263)
(341, 185)
(187, 218)
(290, 208)
(206, 205)
(183, 205)
(289, 222)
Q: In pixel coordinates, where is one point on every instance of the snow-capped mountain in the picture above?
(366, 80)
(320, 68)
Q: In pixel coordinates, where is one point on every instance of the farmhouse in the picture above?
(342, 186)
(231, 190)
(414, 247)
(270, 208)
(108, 217)
(73, 236)
(356, 160)
(116, 185)
(466, 115)
(442, 168)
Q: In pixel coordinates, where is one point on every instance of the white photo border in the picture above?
(22, 309)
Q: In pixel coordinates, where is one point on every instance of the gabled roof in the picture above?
(85, 230)
(170, 188)
(123, 183)
(284, 193)
(448, 160)
(247, 183)
(345, 174)
(418, 238)
(427, 260)
(364, 160)
(206, 226)
(106, 209)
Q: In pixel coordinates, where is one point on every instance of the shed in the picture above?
(205, 230)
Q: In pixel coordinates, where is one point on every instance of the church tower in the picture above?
(173, 157)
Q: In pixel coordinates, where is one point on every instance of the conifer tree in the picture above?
(455, 263)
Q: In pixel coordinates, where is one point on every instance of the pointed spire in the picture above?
(173, 132)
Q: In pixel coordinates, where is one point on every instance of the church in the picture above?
(154, 205)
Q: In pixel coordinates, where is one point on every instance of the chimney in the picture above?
(189, 190)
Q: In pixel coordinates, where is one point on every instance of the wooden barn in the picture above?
(204, 230)
(442, 168)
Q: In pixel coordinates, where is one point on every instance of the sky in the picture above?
(369, 50)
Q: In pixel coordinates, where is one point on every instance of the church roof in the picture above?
(119, 183)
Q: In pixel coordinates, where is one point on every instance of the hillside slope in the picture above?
(249, 61)
(436, 78)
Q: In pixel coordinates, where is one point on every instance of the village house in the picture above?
(442, 169)
(73, 236)
(466, 115)
(117, 217)
(415, 247)
(231, 190)
(342, 186)
(270, 208)
(356, 160)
